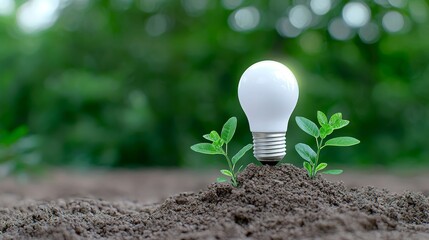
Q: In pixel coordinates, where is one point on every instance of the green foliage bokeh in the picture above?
(105, 86)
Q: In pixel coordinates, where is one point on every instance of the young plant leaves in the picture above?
(307, 126)
(219, 145)
(240, 153)
(221, 179)
(306, 152)
(213, 136)
(311, 158)
(228, 129)
(335, 118)
(208, 137)
(206, 148)
(333, 171)
(337, 122)
(342, 142)
(321, 118)
(325, 130)
(307, 167)
(340, 124)
(226, 172)
(321, 166)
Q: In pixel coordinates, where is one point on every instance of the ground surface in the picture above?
(272, 203)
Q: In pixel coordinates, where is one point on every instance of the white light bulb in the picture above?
(268, 93)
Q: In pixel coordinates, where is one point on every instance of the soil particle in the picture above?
(271, 203)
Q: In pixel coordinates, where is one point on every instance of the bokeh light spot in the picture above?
(244, 19)
(369, 33)
(320, 7)
(356, 14)
(231, 4)
(419, 10)
(7, 7)
(286, 29)
(195, 7)
(150, 5)
(393, 21)
(398, 3)
(37, 15)
(383, 3)
(300, 16)
(157, 25)
(339, 29)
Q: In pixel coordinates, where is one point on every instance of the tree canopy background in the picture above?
(136, 82)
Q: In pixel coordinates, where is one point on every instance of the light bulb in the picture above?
(268, 93)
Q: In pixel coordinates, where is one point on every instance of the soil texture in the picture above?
(278, 202)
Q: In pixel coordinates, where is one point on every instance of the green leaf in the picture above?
(208, 137)
(307, 126)
(239, 169)
(340, 124)
(226, 172)
(307, 167)
(228, 129)
(321, 166)
(337, 122)
(335, 118)
(240, 153)
(306, 152)
(333, 171)
(218, 143)
(321, 118)
(213, 136)
(221, 179)
(206, 148)
(342, 142)
(325, 130)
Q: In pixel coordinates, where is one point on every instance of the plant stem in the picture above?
(227, 158)
(317, 157)
(231, 166)
(229, 162)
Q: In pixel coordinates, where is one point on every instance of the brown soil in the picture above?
(271, 203)
(142, 185)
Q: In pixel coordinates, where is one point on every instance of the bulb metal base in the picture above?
(269, 148)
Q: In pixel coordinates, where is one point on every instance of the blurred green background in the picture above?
(127, 83)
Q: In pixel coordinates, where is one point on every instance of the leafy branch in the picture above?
(311, 157)
(219, 145)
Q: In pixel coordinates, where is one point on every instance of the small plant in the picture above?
(216, 147)
(311, 163)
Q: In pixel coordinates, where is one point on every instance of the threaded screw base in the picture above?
(269, 148)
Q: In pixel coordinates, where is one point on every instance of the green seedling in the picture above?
(217, 147)
(311, 163)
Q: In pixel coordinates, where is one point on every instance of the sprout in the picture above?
(311, 163)
(217, 147)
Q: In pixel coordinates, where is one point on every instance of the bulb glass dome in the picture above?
(268, 93)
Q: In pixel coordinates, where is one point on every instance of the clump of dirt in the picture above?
(271, 203)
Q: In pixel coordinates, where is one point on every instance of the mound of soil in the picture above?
(270, 203)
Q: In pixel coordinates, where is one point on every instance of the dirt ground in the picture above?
(155, 185)
(272, 203)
